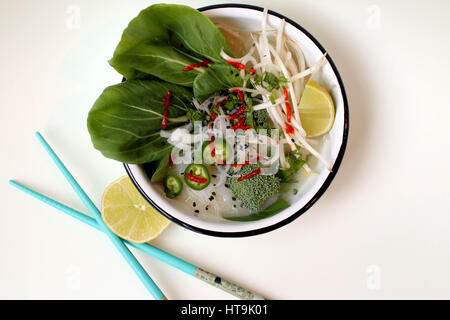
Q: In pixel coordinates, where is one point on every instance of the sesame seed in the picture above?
(226, 185)
(206, 208)
(194, 204)
(213, 193)
(214, 176)
(233, 198)
(196, 211)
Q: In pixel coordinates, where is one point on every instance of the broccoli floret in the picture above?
(261, 118)
(254, 191)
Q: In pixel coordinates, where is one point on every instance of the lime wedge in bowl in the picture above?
(316, 110)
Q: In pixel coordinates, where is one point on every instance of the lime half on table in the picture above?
(127, 214)
(316, 110)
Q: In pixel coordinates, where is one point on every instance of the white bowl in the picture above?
(332, 145)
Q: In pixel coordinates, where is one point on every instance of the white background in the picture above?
(382, 230)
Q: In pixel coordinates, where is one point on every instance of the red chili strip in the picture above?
(285, 93)
(241, 96)
(250, 175)
(234, 165)
(289, 128)
(237, 65)
(238, 112)
(221, 103)
(218, 104)
(288, 111)
(234, 90)
(238, 124)
(246, 163)
(166, 106)
(204, 63)
(252, 71)
(170, 161)
(196, 179)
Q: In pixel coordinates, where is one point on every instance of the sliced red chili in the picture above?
(285, 93)
(289, 128)
(166, 106)
(195, 179)
(237, 65)
(197, 65)
(252, 71)
(288, 111)
(170, 161)
(246, 163)
(213, 116)
(238, 112)
(234, 90)
(221, 103)
(250, 175)
(238, 124)
(241, 96)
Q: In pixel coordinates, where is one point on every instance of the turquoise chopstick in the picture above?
(121, 247)
(159, 254)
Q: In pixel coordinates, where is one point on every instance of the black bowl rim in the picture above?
(326, 183)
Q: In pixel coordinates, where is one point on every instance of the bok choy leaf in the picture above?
(125, 121)
(163, 25)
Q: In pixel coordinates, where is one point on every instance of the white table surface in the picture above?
(382, 230)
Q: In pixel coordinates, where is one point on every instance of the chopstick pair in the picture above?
(159, 254)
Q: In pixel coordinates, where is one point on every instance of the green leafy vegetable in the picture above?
(272, 98)
(161, 170)
(248, 102)
(162, 61)
(269, 81)
(271, 210)
(195, 115)
(232, 102)
(125, 121)
(285, 175)
(216, 78)
(167, 25)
